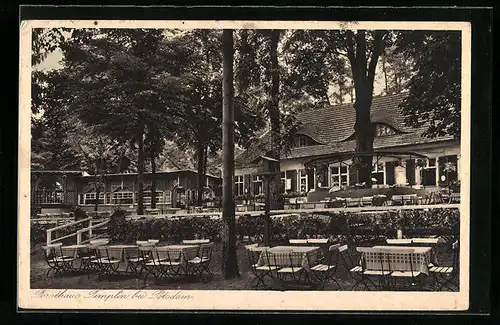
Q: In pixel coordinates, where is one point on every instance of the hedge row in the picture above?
(350, 227)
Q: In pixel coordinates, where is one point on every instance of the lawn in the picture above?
(244, 282)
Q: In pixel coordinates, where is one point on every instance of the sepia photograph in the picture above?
(234, 165)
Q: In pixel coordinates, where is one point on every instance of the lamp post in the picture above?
(265, 168)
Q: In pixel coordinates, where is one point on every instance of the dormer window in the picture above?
(382, 130)
(302, 140)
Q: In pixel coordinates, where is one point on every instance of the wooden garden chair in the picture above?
(163, 265)
(380, 272)
(446, 276)
(105, 264)
(409, 277)
(136, 258)
(352, 267)
(326, 270)
(289, 271)
(201, 263)
(261, 272)
(56, 261)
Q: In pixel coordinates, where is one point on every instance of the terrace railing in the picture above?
(89, 230)
(91, 225)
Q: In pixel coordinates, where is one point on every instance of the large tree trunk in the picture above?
(276, 202)
(201, 175)
(140, 167)
(152, 157)
(229, 259)
(363, 72)
(365, 132)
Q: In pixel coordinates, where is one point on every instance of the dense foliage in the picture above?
(348, 227)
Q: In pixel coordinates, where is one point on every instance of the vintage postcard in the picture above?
(244, 165)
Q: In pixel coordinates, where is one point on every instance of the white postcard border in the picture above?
(234, 300)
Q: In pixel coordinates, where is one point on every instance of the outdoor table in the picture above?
(421, 259)
(179, 252)
(307, 255)
(73, 250)
(118, 251)
(195, 241)
(257, 251)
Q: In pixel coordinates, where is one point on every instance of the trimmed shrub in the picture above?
(354, 228)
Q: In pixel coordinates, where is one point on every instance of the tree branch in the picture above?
(378, 48)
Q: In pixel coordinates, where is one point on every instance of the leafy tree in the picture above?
(362, 50)
(50, 147)
(200, 68)
(97, 154)
(397, 70)
(117, 83)
(434, 90)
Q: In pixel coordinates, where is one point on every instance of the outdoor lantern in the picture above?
(443, 178)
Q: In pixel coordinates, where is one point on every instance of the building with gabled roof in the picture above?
(321, 153)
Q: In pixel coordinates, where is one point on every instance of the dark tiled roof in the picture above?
(332, 126)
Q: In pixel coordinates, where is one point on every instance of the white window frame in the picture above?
(302, 175)
(239, 180)
(159, 195)
(381, 169)
(255, 180)
(122, 195)
(339, 174)
(92, 196)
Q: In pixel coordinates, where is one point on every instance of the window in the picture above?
(257, 185)
(339, 175)
(90, 198)
(302, 141)
(158, 195)
(123, 198)
(303, 180)
(378, 173)
(382, 130)
(429, 172)
(238, 182)
(283, 182)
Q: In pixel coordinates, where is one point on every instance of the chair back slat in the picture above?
(206, 250)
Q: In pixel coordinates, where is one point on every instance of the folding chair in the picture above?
(398, 266)
(136, 259)
(375, 257)
(352, 267)
(446, 276)
(289, 271)
(201, 263)
(260, 272)
(323, 272)
(106, 264)
(163, 264)
(56, 261)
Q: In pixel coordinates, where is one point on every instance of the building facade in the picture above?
(53, 191)
(322, 150)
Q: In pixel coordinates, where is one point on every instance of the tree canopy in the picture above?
(434, 90)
